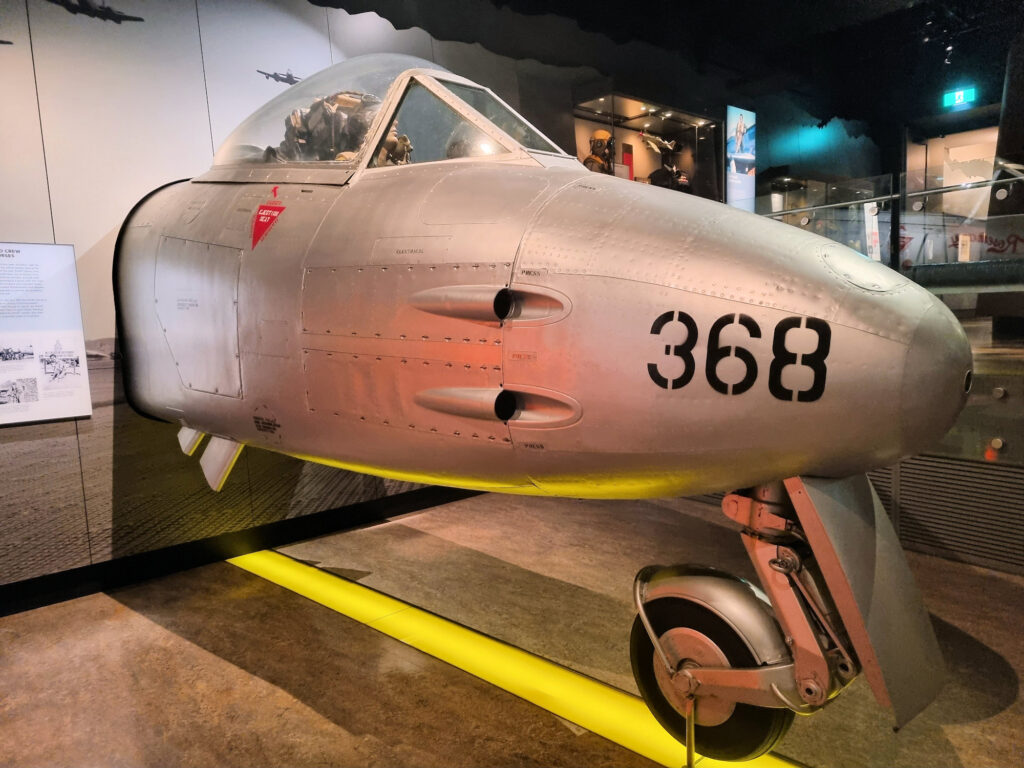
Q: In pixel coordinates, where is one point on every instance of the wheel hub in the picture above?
(686, 649)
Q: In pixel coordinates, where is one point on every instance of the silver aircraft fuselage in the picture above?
(656, 343)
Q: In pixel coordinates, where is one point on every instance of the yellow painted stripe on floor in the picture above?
(602, 709)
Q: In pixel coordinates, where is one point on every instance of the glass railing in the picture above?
(971, 221)
(855, 213)
(964, 241)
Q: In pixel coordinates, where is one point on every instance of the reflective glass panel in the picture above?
(425, 130)
(503, 117)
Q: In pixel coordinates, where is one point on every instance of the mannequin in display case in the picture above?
(602, 152)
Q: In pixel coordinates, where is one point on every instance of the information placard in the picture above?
(43, 371)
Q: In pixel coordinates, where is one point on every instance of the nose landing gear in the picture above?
(723, 664)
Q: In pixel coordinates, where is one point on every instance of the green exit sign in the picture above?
(959, 97)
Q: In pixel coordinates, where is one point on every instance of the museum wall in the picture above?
(792, 138)
(960, 158)
(97, 114)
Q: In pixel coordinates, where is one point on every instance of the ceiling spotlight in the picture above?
(601, 99)
(668, 114)
(926, 39)
(949, 48)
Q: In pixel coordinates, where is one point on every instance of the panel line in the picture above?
(39, 112)
(206, 87)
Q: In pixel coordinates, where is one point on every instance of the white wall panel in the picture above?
(242, 36)
(356, 34)
(123, 110)
(477, 63)
(25, 212)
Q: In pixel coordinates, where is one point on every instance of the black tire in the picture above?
(750, 731)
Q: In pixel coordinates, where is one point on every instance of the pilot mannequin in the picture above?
(396, 149)
(331, 128)
(360, 117)
(602, 152)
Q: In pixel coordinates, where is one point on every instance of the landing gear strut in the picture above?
(732, 662)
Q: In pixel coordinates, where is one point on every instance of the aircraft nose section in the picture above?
(936, 378)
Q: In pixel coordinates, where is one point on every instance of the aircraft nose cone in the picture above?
(936, 378)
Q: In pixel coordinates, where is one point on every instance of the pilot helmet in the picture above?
(463, 142)
(359, 121)
(599, 139)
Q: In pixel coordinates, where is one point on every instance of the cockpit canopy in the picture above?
(334, 117)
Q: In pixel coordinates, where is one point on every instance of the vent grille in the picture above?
(964, 510)
(884, 480)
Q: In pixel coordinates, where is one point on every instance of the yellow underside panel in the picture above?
(469, 483)
(642, 485)
(602, 709)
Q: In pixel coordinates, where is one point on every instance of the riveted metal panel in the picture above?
(470, 196)
(302, 174)
(429, 249)
(715, 251)
(196, 297)
(380, 390)
(390, 216)
(372, 301)
(599, 355)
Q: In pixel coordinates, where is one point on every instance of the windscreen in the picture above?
(425, 130)
(503, 117)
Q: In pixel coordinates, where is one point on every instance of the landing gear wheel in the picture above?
(724, 730)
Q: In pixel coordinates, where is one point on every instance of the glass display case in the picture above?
(649, 142)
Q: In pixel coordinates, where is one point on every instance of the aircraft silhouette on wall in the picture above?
(287, 77)
(95, 10)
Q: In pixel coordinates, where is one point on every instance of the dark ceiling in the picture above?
(886, 62)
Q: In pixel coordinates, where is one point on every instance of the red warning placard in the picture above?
(264, 219)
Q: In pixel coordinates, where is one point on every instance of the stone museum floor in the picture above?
(215, 666)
